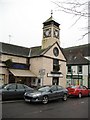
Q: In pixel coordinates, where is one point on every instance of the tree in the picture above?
(9, 63)
(77, 8)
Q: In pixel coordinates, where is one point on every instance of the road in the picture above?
(72, 108)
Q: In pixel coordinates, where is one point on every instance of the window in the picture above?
(33, 81)
(19, 66)
(79, 69)
(10, 87)
(27, 88)
(60, 88)
(84, 88)
(56, 66)
(69, 69)
(54, 88)
(20, 86)
(39, 80)
(2, 77)
(44, 89)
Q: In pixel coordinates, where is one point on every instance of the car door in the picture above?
(53, 94)
(9, 92)
(60, 91)
(20, 91)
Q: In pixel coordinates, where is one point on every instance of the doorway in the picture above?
(55, 81)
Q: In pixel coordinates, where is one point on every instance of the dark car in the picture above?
(46, 93)
(14, 91)
(2, 86)
(78, 91)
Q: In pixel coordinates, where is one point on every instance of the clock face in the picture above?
(56, 33)
(47, 33)
(56, 51)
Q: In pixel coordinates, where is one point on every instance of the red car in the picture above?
(78, 91)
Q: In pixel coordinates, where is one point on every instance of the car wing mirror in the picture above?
(7, 89)
(50, 91)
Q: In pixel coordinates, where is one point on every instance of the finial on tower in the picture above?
(51, 13)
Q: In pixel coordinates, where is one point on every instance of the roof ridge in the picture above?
(14, 45)
(77, 46)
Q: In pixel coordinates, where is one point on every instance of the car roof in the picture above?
(49, 86)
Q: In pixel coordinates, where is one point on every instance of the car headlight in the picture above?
(25, 93)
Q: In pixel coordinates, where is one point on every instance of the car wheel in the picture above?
(79, 95)
(45, 100)
(65, 97)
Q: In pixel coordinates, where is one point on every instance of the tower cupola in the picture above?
(50, 32)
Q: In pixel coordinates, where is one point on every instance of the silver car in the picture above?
(46, 93)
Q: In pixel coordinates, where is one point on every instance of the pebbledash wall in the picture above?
(46, 63)
(40, 66)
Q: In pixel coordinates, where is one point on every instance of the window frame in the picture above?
(79, 69)
(69, 70)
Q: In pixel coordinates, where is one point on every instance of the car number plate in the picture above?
(27, 100)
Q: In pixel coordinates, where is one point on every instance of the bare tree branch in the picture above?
(65, 7)
(77, 8)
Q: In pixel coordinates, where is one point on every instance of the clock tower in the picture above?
(50, 32)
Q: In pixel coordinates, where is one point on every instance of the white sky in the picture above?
(23, 20)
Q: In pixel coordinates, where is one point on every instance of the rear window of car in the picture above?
(27, 87)
(73, 87)
(60, 88)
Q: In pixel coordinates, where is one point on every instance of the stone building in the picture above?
(39, 65)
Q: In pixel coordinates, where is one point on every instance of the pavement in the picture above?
(10, 101)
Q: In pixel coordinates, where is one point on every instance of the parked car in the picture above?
(2, 86)
(78, 91)
(14, 91)
(46, 93)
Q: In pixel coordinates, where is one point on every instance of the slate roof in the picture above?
(14, 50)
(21, 51)
(50, 20)
(73, 55)
(76, 55)
(83, 49)
(37, 51)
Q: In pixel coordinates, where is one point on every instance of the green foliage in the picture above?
(8, 63)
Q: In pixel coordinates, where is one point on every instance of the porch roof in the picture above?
(22, 73)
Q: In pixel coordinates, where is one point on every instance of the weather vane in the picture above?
(51, 12)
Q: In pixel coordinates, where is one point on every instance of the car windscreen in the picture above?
(44, 89)
(10, 86)
(2, 86)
